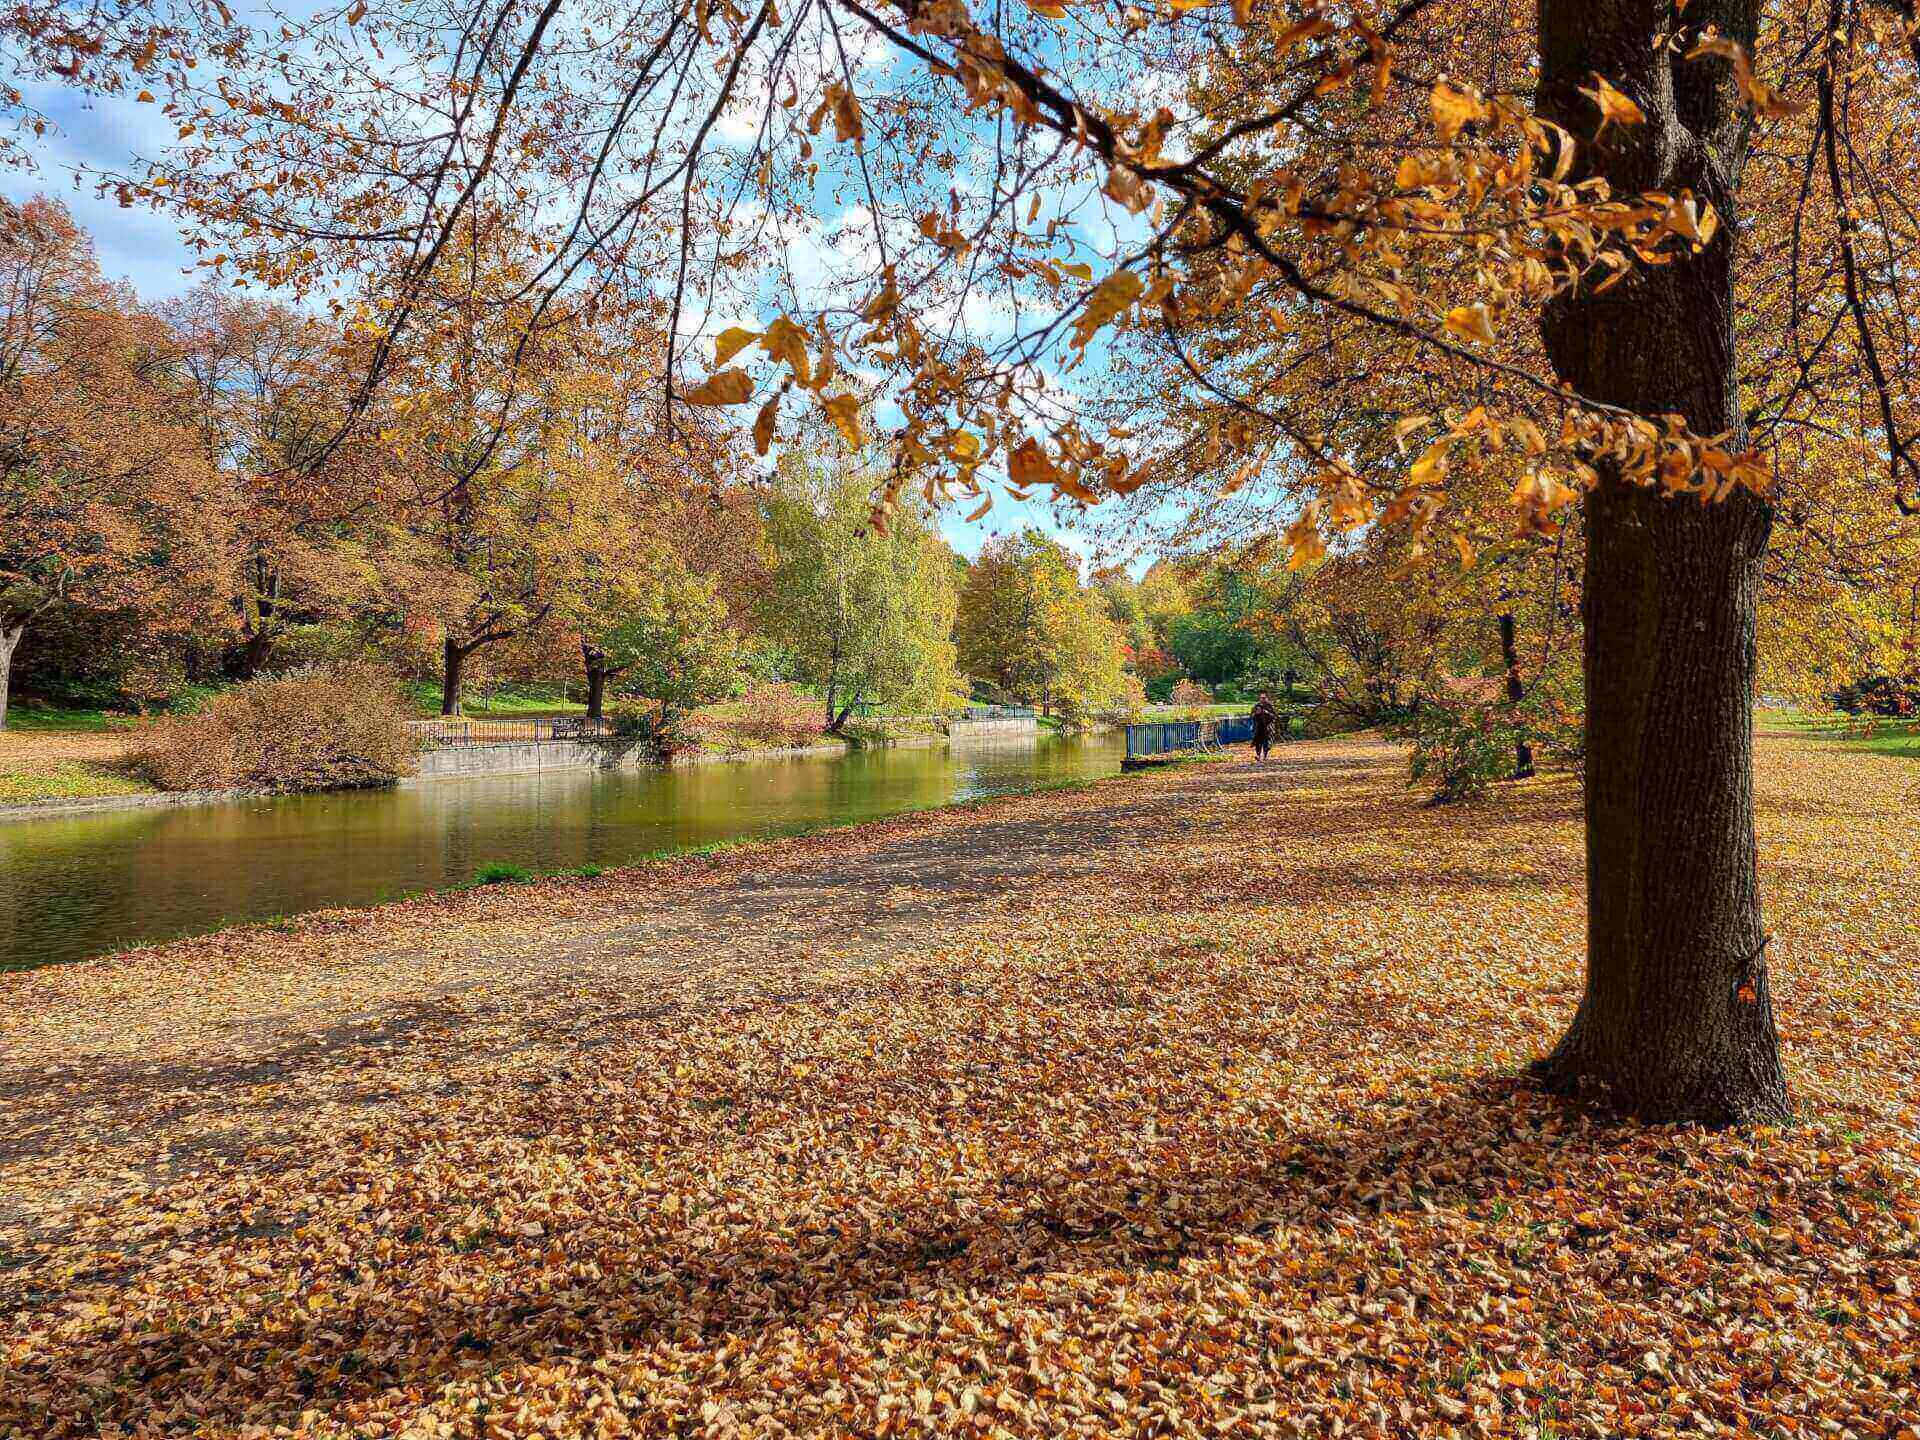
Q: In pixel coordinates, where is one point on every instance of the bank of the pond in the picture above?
(39, 777)
(75, 883)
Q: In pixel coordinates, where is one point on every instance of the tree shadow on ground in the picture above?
(1491, 1142)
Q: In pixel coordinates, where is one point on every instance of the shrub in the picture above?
(309, 729)
(666, 733)
(1330, 717)
(1890, 695)
(863, 731)
(1462, 752)
(303, 645)
(1189, 693)
(775, 715)
(1463, 749)
(631, 719)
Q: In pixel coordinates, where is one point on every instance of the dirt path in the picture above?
(139, 1068)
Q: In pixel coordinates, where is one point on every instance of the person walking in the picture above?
(1264, 718)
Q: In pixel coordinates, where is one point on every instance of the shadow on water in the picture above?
(82, 885)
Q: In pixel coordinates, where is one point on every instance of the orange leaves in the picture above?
(937, 229)
(763, 424)
(730, 342)
(1471, 322)
(1761, 97)
(1615, 106)
(1454, 107)
(723, 387)
(1110, 300)
(786, 342)
(844, 412)
(1029, 465)
(1305, 546)
(1152, 1151)
(1430, 470)
(847, 124)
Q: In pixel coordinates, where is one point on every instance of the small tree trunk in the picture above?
(596, 663)
(453, 666)
(9, 642)
(837, 723)
(833, 679)
(1516, 692)
(1676, 1022)
(255, 653)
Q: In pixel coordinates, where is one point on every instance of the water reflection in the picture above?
(80, 885)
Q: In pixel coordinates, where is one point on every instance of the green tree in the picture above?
(1027, 624)
(1219, 641)
(866, 613)
(1079, 647)
(665, 638)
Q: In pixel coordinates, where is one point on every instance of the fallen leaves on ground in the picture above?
(1178, 1105)
(51, 764)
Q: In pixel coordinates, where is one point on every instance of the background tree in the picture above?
(866, 614)
(669, 642)
(105, 499)
(268, 386)
(1030, 625)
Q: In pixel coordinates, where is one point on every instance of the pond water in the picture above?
(82, 885)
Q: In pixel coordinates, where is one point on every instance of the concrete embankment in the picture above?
(521, 757)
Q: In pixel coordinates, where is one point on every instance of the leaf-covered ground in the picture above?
(1184, 1104)
(46, 765)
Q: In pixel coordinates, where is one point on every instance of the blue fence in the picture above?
(1162, 737)
(1165, 736)
(999, 712)
(1234, 730)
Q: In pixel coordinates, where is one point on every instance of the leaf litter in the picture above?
(1184, 1105)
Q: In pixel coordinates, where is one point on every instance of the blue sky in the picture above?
(89, 135)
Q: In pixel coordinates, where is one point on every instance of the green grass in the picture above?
(1872, 735)
(501, 872)
(34, 714)
(30, 715)
(499, 701)
(69, 780)
(1195, 712)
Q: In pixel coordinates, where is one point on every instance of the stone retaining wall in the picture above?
(518, 757)
(995, 729)
(521, 757)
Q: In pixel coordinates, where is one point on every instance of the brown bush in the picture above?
(776, 715)
(1188, 692)
(337, 728)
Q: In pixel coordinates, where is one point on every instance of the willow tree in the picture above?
(973, 215)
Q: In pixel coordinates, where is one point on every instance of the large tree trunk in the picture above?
(255, 651)
(1676, 1021)
(9, 642)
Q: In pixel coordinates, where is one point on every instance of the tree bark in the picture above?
(838, 722)
(255, 652)
(1516, 692)
(452, 673)
(1676, 1022)
(9, 642)
(596, 663)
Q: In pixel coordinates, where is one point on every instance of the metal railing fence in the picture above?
(457, 730)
